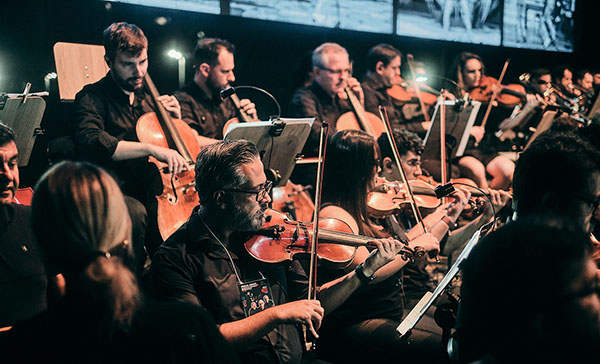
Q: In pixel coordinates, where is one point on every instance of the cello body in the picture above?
(178, 197)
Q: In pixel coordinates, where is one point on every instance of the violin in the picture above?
(281, 239)
(508, 96)
(381, 204)
(358, 118)
(403, 93)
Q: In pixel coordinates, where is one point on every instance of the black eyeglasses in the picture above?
(593, 202)
(337, 72)
(260, 194)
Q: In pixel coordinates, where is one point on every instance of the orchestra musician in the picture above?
(572, 193)
(530, 112)
(410, 147)
(106, 113)
(23, 273)
(82, 225)
(369, 318)
(324, 98)
(469, 72)
(585, 79)
(205, 263)
(201, 104)
(383, 72)
(529, 294)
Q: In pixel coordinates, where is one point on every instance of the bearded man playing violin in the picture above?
(205, 263)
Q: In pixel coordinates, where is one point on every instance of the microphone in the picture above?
(230, 90)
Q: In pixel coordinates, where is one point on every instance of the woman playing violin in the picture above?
(351, 165)
(477, 163)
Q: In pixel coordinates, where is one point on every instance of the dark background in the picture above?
(270, 55)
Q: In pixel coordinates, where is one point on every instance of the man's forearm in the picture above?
(250, 329)
(130, 150)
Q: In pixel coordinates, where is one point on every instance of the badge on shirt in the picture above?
(256, 296)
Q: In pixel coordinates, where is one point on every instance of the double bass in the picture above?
(178, 197)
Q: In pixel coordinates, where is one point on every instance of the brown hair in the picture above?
(123, 37)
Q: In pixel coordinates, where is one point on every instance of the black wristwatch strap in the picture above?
(361, 274)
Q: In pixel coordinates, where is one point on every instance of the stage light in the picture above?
(422, 78)
(180, 65)
(50, 76)
(175, 54)
(161, 20)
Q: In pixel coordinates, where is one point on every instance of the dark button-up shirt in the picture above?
(192, 267)
(103, 117)
(375, 89)
(23, 279)
(205, 113)
(313, 101)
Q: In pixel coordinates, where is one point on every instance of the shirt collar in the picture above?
(378, 82)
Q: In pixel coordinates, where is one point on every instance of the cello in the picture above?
(359, 119)
(178, 197)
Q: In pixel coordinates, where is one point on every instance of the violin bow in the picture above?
(411, 66)
(494, 94)
(443, 170)
(312, 274)
(388, 130)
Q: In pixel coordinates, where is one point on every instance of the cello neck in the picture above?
(166, 122)
(359, 111)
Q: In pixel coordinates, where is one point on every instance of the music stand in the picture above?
(428, 298)
(23, 114)
(278, 142)
(545, 123)
(458, 127)
(595, 110)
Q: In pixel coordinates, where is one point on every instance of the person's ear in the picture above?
(388, 164)
(379, 67)
(204, 69)
(219, 197)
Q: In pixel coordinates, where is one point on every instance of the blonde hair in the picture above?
(79, 217)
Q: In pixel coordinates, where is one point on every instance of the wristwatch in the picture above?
(451, 224)
(359, 272)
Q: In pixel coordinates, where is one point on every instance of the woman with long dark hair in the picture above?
(368, 320)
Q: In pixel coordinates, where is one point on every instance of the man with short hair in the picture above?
(585, 79)
(23, 280)
(559, 175)
(205, 262)
(201, 104)
(325, 97)
(106, 114)
(383, 72)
